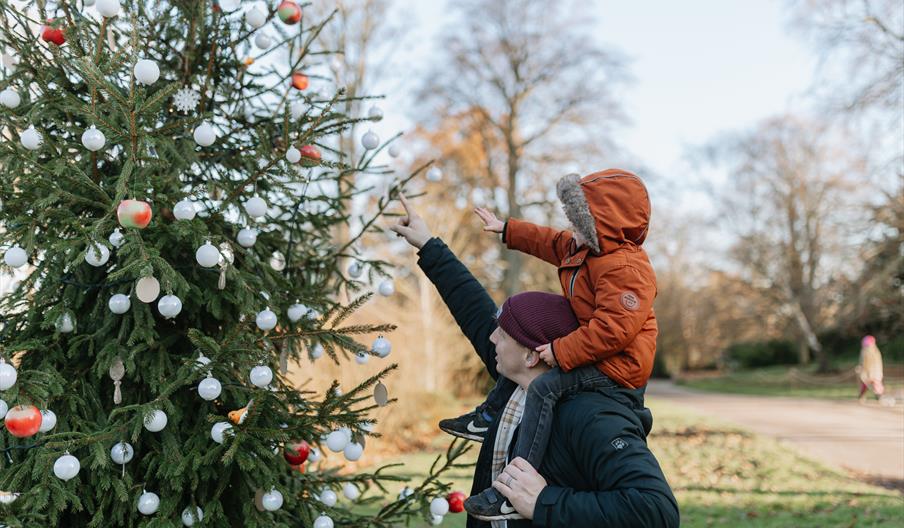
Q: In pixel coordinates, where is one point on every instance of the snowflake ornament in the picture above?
(186, 99)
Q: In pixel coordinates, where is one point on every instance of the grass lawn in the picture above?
(727, 477)
(795, 382)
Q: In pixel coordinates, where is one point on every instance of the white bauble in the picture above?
(146, 71)
(48, 421)
(297, 311)
(66, 467)
(348, 432)
(10, 98)
(119, 303)
(155, 421)
(328, 496)
(97, 255)
(188, 519)
(370, 140)
(93, 139)
(266, 319)
(261, 376)
(116, 238)
(122, 453)
(354, 270)
(434, 174)
(88, 3)
(148, 503)
(439, 506)
(272, 500)
(293, 155)
(350, 491)
(278, 261)
(324, 521)
(207, 255)
(256, 207)
(297, 109)
(387, 288)
(394, 151)
(202, 361)
(31, 138)
(336, 441)
(405, 493)
(362, 358)
(256, 17)
(375, 112)
(262, 41)
(313, 456)
(209, 388)
(4, 408)
(15, 257)
(317, 351)
(8, 376)
(169, 306)
(205, 134)
(219, 430)
(184, 210)
(381, 347)
(247, 237)
(436, 520)
(108, 8)
(65, 324)
(353, 451)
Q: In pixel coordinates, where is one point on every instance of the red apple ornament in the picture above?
(134, 213)
(53, 34)
(23, 421)
(299, 81)
(295, 454)
(456, 501)
(310, 155)
(289, 12)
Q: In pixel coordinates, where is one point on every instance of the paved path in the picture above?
(868, 439)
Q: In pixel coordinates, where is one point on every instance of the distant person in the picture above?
(870, 368)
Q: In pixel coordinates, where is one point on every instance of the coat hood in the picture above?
(609, 208)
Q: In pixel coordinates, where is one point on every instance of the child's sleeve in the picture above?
(624, 299)
(540, 241)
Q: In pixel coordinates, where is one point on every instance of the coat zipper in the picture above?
(571, 287)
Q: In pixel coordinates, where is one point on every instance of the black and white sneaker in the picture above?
(489, 505)
(472, 426)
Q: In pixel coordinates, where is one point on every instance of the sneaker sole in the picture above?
(460, 434)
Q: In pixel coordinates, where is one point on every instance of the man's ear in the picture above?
(531, 358)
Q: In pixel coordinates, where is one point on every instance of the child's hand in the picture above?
(546, 355)
(490, 222)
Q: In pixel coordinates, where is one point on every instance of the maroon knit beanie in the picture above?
(536, 318)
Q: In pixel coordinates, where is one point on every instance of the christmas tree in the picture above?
(169, 195)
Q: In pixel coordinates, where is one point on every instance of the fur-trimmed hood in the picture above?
(608, 208)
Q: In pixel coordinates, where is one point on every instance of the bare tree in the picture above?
(862, 45)
(529, 77)
(791, 194)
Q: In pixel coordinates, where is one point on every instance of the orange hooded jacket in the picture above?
(609, 282)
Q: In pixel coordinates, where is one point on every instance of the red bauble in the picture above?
(295, 454)
(134, 213)
(310, 153)
(456, 501)
(23, 421)
(299, 81)
(52, 34)
(289, 12)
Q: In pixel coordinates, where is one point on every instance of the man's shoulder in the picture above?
(584, 408)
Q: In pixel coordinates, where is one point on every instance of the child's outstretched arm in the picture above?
(542, 242)
(624, 299)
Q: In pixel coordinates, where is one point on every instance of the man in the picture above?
(597, 470)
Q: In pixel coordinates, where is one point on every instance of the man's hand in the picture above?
(411, 226)
(520, 483)
(490, 222)
(546, 355)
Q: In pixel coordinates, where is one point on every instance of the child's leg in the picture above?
(542, 395)
(498, 397)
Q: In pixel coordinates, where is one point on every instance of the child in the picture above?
(609, 281)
